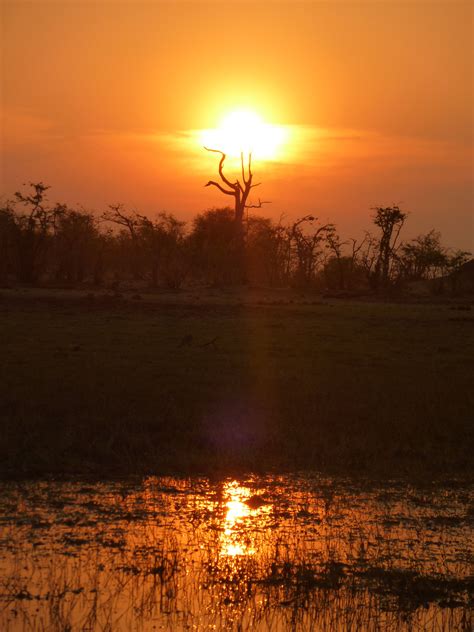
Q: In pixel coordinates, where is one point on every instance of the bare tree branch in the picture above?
(259, 204)
(221, 167)
(216, 184)
(240, 189)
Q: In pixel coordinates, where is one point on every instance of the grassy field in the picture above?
(193, 382)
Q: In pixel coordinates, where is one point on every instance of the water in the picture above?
(276, 553)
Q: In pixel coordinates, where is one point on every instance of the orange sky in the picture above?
(102, 99)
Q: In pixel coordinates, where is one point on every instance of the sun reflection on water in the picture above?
(259, 554)
(243, 514)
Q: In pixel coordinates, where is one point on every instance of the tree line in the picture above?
(42, 243)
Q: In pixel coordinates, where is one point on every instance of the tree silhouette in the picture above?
(306, 246)
(41, 242)
(239, 189)
(390, 220)
(34, 229)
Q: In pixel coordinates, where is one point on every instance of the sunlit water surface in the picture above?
(262, 553)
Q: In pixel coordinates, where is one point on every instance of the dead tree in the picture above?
(239, 189)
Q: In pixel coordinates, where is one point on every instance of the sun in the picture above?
(245, 131)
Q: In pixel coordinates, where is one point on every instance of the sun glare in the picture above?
(245, 131)
(240, 518)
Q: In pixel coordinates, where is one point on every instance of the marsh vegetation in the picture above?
(296, 552)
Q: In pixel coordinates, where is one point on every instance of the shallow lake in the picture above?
(292, 552)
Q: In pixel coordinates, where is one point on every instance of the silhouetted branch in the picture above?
(247, 181)
(259, 204)
(117, 215)
(216, 184)
(240, 189)
(221, 167)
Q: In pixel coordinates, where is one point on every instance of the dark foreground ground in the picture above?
(103, 385)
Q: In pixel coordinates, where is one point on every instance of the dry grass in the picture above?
(188, 383)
